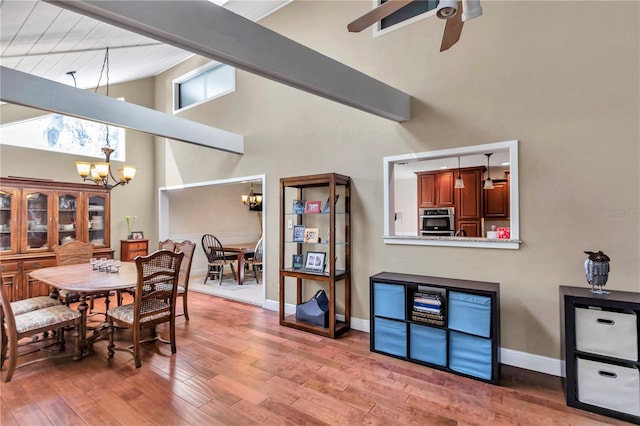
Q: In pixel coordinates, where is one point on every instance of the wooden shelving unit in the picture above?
(334, 230)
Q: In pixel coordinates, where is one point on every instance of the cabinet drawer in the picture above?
(37, 264)
(137, 246)
(470, 313)
(9, 267)
(389, 300)
(470, 355)
(390, 336)
(607, 333)
(609, 386)
(428, 344)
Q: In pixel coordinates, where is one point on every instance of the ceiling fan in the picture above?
(453, 11)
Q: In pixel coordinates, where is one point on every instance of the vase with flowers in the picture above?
(130, 221)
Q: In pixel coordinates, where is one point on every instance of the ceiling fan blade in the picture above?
(374, 15)
(452, 30)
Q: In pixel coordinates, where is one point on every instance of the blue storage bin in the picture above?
(390, 336)
(389, 300)
(428, 344)
(470, 355)
(470, 313)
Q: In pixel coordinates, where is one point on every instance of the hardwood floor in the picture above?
(236, 366)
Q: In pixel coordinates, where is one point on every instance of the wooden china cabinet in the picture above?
(36, 215)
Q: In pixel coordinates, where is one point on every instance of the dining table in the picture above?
(82, 279)
(241, 249)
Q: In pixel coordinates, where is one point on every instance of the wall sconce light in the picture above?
(488, 184)
(459, 182)
(252, 200)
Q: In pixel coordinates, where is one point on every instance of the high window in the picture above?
(205, 83)
(412, 12)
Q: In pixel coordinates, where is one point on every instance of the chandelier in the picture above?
(252, 200)
(100, 172)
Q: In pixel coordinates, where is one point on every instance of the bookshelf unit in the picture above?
(329, 222)
(444, 323)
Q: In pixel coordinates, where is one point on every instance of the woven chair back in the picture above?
(157, 284)
(73, 252)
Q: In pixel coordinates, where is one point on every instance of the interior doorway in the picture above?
(187, 212)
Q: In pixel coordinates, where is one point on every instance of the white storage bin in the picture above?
(607, 333)
(609, 386)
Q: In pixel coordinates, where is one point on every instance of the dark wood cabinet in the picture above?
(130, 249)
(469, 202)
(36, 215)
(435, 189)
(496, 200)
(601, 350)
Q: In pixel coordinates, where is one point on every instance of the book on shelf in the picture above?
(428, 315)
(428, 320)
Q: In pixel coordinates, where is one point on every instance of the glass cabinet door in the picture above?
(38, 218)
(8, 221)
(69, 228)
(97, 219)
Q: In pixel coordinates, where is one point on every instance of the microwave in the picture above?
(438, 221)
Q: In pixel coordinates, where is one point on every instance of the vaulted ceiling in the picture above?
(47, 41)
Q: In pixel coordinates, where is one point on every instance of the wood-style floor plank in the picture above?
(236, 365)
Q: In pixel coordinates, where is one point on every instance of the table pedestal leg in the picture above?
(240, 268)
(82, 308)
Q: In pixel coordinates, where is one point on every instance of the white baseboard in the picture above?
(539, 363)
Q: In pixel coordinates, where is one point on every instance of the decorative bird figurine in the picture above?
(596, 268)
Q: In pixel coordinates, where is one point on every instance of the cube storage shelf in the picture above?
(463, 339)
(600, 345)
(329, 193)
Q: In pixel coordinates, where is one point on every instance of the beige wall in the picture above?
(564, 80)
(566, 88)
(136, 199)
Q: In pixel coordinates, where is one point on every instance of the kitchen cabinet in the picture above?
(331, 224)
(468, 202)
(462, 337)
(496, 201)
(37, 214)
(130, 249)
(600, 347)
(435, 189)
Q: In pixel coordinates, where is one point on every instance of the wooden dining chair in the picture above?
(167, 245)
(188, 248)
(17, 328)
(154, 303)
(255, 262)
(217, 259)
(73, 253)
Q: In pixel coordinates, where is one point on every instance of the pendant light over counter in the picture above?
(459, 182)
(488, 184)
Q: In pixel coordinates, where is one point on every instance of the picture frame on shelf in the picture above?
(312, 207)
(298, 206)
(136, 235)
(298, 233)
(311, 235)
(327, 205)
(297, 261)
(314, 261)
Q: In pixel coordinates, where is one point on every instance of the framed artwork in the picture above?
(327, 206)
(298, 233)
(311, 235)
(298, 206)
(296, 261)
(137, 235)
(315, 261)
(312, 207)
